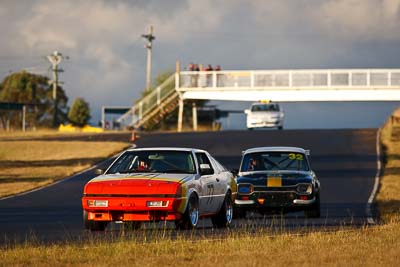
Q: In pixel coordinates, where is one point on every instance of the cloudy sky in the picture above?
(107, 56)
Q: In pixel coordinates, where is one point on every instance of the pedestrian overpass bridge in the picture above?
(255, 85)
(291, 85)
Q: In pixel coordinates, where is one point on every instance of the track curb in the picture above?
(371, 199)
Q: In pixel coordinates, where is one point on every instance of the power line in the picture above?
(36, 66)
(17, 57)
(42, 68)
(6, 71)
(18, 60)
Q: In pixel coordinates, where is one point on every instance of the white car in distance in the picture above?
(264, 115)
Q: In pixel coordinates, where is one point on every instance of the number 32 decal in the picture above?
(294, 156)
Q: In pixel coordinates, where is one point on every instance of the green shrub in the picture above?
(79, 114)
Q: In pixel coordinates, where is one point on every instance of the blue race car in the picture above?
(277, 180)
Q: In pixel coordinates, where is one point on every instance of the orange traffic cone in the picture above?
(134, 136)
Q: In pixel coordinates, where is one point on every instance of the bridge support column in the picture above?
(194, 116)
(180, 114)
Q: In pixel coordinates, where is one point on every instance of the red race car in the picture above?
(160, 184)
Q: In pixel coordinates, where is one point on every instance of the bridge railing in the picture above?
(154, 98)
(149, 102)
(260, 79)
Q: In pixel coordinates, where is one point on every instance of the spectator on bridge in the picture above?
(191, 67)
(220, 77)
(193, 77)
(186, 80)
(209, 75)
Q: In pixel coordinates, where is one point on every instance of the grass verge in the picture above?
(363, 247)
(26, 164)
(388, 198)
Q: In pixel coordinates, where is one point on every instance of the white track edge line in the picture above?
(51, 184)
(371, 199)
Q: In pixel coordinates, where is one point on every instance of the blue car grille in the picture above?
(275, 189)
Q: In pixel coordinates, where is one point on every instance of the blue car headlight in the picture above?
(245, 189)
(304, 188)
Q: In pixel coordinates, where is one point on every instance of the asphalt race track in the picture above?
(344, 161)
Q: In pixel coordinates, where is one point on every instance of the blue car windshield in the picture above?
(270, 161)
(155, 161)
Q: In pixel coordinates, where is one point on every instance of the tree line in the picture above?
(35, 91)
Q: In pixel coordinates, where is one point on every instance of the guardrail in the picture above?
(261, 79)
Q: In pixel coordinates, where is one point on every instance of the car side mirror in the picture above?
(235, 172)
(247, 111)
(98, 171)
(205, 169)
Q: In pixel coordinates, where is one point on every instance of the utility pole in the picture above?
(55, 60)
(149, 37)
